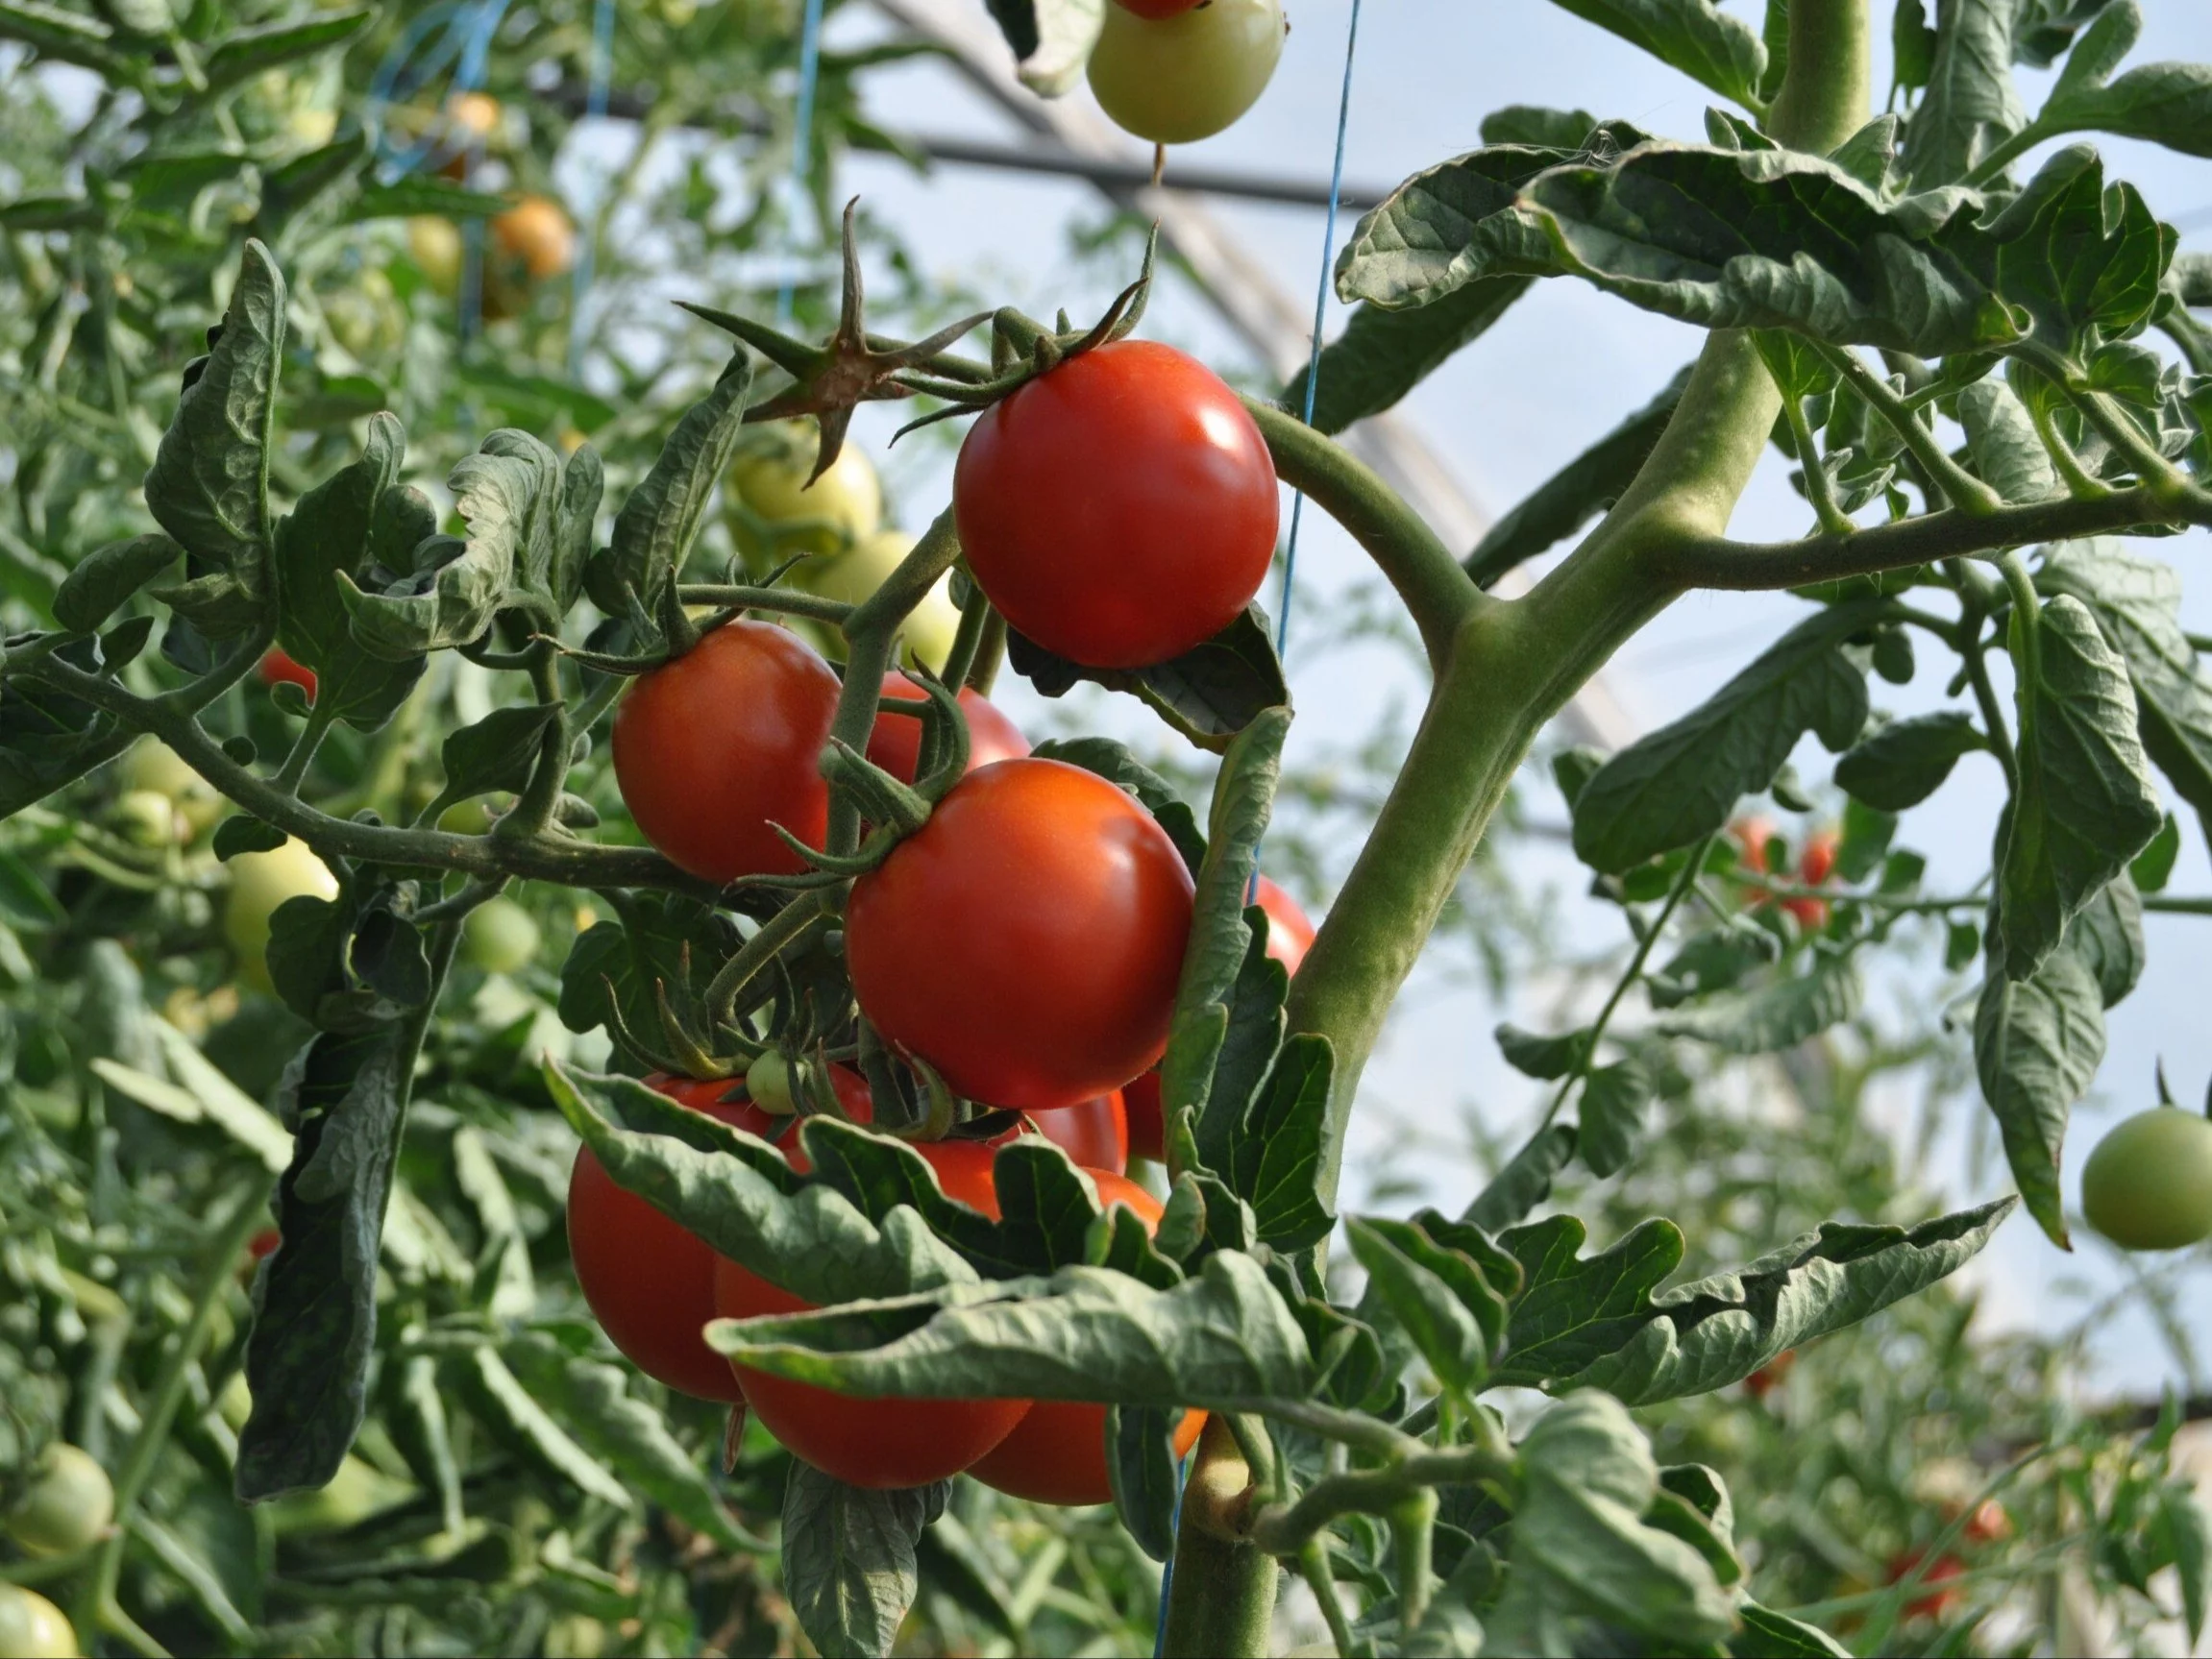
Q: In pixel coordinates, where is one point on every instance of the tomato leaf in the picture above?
(360, 520)
(497, 753)
(1439, 1296)
(1767, 1634)
(208, 486)
(248, 52)
(1899, 765)
(1582, 1546)
(1051, 39)
(593, 1401)
(657, 526)
(1526, 1179)
(613, 968)
(2037, 1043)
(2137, 603)
(1601, 1322)
(1382, 355)
(2002, 438)
(1546, 1059)
(1142, 1467)
(105, 579)
(1221, 935)
(1610, 1115)
(848, 1558)
(1678, 784)
(1208, 694)
(1696, 36)
(2085, 803)
(1777, 1015)
(1970, 104)
(314, 1300)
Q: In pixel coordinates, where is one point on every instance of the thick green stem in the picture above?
(1222, 1599)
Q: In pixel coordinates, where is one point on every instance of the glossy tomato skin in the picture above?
(1057, 1453)
(278, 666)
(725, 740)
(1289, 930)
(1027, 939)
(2147, 1184)
(861, 1440)
(1119, 509)
(1188, 75)
(895, 741)
(1094, 1136)
(649, 1282)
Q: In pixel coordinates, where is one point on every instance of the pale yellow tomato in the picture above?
(259, 883)
(850, 578)
(1175, 80)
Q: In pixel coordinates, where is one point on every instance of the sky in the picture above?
(1563, 366)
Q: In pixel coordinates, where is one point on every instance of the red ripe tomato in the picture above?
(1057, 1453)
(1817, 862)
(1935, 1598)
(718, 743)
(1147, 1124)
(1094, 1135)
(1769, 1376)
(895, 743)
(649, 1282)
(1156, 9)
(263, 1243)
(861, 1440)
(1027, 939)
(1119, 509)
(279, 668)
(1989, 1522)
(1290, 934)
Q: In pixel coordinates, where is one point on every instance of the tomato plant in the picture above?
(874, 1443)
(579, 799)
(1026, 941)
(33, 1627)
(718, 746)
(1118, 509)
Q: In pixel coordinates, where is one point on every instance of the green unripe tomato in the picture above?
(769, 1081)
(148, 818)
(33, 1628)
(770, 478)
(500, 936)
(849, 578)
(259, 883)
(366, 317)
(1175, 80)
(69, 1506)
(2148, 1183)
(152, 764)
(471, 816)
(437, 247)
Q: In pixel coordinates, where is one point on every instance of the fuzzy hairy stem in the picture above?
(1222, 1599)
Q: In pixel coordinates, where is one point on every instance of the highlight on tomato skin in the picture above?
(1025, 941)
(716, 745)
(1057, 1453)
(863, 1441)
(1119, 509)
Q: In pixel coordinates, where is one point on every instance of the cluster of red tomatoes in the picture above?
(1764, 850)
(1024, 943)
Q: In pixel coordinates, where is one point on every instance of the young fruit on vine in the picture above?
(770, 475)
(259, 883)
(1176, 78)
(1289, 935)
(649, 1282)
(1119, 509)
(536, 234)
(2148, 1183)
(436, 248)
(863, 1441)
(33, 1628)
(1815, 863)
(1026, 940)
(278, 669)
(1057, 1453)
(1094, 1136)
(69, 1507)
(895, 741)
(853, 575)
(714, 747)
(152, 765)
(500, 937)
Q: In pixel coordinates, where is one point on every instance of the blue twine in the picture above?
(595, 109)
(1289, 578)
(803, 139)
